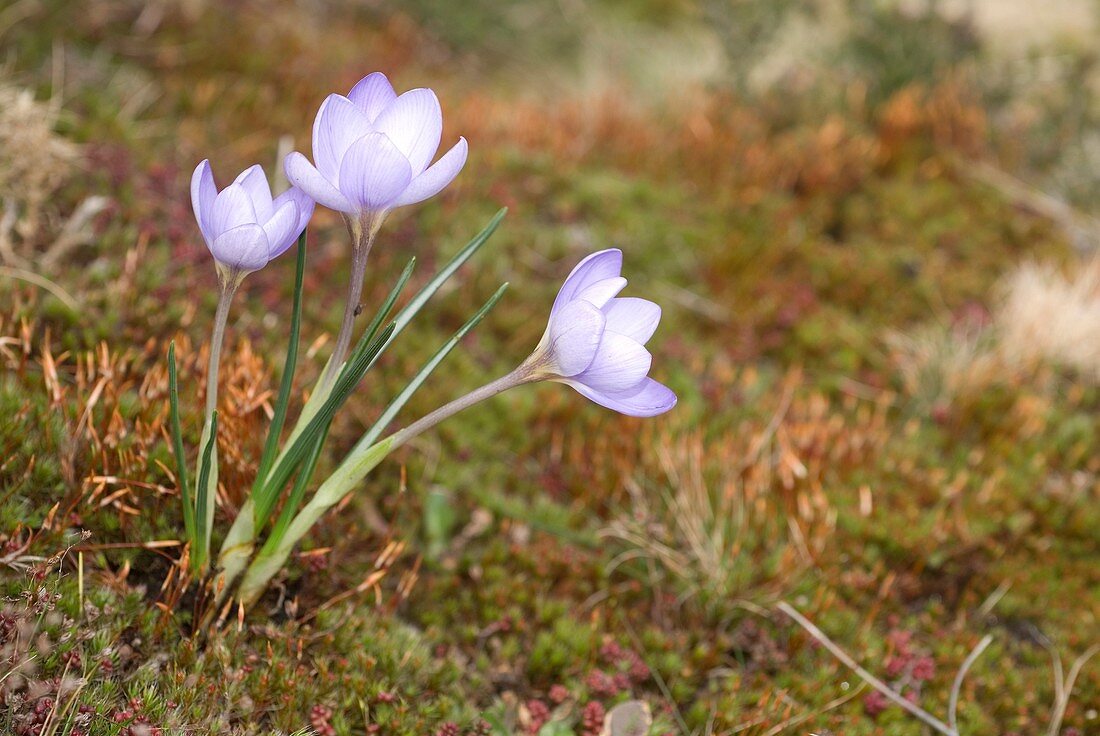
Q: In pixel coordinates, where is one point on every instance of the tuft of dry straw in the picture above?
(1050, 316)
(35, 161)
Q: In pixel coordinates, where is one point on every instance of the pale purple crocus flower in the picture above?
(244, 227)
(372, 152)
(595, 340)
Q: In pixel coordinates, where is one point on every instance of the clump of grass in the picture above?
(730, 521)
(942, 365)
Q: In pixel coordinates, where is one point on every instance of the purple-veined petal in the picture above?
(305, 206)
(633, 317)
(373, 172)
(414, 122)
(301, 173)
(281, 229)
(620, 364)
(437, 176)
(574, 337)
(203, 193)
(244, 247)
(648, 399)
(232, 208)
(601, 292)
(339, 123)
(606, 264)
(254, 181)
(372, 94)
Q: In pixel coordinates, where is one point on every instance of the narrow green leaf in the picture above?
(406, 393)
(358, 364)
(405, 315)
(317, 400)
(403, 318)
(363, 458)
(297, 493)
(201, 553)
(271, 444)
(301, 441)
(177, 446)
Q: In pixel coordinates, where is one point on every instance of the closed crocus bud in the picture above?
(371, 150)
(595, 340)
(242, 225)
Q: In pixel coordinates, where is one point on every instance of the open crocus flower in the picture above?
(595, 340)
(242, 225)
(372, 150)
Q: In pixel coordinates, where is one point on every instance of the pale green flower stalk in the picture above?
(362, 229)
(229, 280)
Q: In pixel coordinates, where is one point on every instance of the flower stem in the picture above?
(229, 283)
(362, 231)
(517, 377)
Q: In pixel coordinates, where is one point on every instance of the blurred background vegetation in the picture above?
(871, 225)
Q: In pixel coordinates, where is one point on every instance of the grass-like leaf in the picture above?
(417, 381)
(405, 315)
(177, 446)
(361, 460)
(357, 365)
(278, 418)
(294, 500)
(297, 493)
(201, 552)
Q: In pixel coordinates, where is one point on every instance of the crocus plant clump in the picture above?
(372, 153)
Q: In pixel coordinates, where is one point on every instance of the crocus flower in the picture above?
(371, 150)
(595, 340)
(242, 225)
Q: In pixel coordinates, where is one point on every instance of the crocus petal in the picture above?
(574, 337)
(244, 247)
(232, 208)
(606, 264)
(635, 318)
(437, 176)
(373, 172)
(372, 94)
(305, 206)
(648, 399)
(301, 173)
(254, 181)
(281, 229)
(601, 292)
(203, 193)
(620, 364)
(414, 122)
(339, 123)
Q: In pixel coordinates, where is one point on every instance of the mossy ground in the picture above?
(787, 235)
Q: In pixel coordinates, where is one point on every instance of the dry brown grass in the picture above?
(731, 519)
(942, 364)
